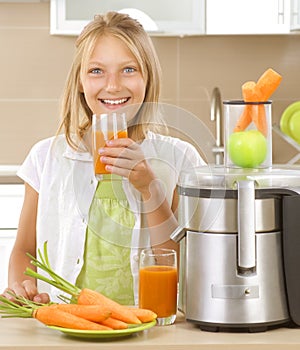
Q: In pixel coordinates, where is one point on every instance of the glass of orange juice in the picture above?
(158, 283)
(106, 127)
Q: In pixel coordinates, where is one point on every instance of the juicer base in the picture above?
(239, 328)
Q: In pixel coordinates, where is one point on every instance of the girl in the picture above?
(95, 230)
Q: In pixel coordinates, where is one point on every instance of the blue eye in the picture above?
(129, 70)
(96, 71)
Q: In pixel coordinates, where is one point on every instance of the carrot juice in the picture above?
(158, 289)
(99, 142)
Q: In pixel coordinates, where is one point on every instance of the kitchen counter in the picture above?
(27, 334)
(8, 174)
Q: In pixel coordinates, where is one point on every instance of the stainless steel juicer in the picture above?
(239, 234)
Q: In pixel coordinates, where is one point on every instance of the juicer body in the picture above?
(235, 275)
(221, 296)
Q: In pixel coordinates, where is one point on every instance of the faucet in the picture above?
(216, 115)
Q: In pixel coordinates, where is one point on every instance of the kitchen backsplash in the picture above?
(34, 66)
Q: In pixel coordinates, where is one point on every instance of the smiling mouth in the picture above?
(115, 101)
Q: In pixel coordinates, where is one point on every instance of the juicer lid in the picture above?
(219, 177)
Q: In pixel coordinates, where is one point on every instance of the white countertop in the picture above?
(8, 174)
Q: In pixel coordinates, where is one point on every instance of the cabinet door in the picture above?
(7, 238)
(295, 15)
(11, 200)
(247, 16)
(159, 17)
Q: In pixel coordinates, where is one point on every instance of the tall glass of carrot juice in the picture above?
(158, 283)
(106, 127)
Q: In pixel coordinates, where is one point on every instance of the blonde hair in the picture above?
(76, 114)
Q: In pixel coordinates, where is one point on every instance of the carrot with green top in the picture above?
(46, 314)
(85, 296)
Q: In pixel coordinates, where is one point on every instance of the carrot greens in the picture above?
(54, 280)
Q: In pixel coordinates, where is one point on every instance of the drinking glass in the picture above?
(158, 283)
(106, 127)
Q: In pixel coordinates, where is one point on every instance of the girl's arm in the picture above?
(124, 157)
(160, 217)
(25, 242)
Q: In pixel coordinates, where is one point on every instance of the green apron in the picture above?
(106, 265)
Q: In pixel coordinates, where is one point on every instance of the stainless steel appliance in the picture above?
(240, 247)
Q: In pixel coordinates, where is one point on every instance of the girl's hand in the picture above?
(28, 290)
(124, 157)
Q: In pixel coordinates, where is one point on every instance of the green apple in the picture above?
(247, 149)
(294, 125)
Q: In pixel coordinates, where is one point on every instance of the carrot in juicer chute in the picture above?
(268, 83)
(249, 95)
(245, 119)
(258, 92)
(250, 92)
(260, 120)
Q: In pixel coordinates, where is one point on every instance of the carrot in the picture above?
(93, 313)
(258, 92)
(268, 83)
(118, 311)
(45, 313)
(260, 120)
(114, 323)
(83, 296)
(250, 92)
(144, 315)
(56, 317)
(245, 119)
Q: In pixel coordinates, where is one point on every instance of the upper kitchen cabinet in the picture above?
(295, 15)
(248, 16)
(159, 17)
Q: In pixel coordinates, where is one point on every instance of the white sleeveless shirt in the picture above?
(66, 184)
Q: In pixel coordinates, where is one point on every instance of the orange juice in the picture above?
(158, 290)
(99, 142)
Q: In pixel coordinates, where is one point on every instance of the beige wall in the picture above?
(34, 65)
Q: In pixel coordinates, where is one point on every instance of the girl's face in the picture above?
(113, 79)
